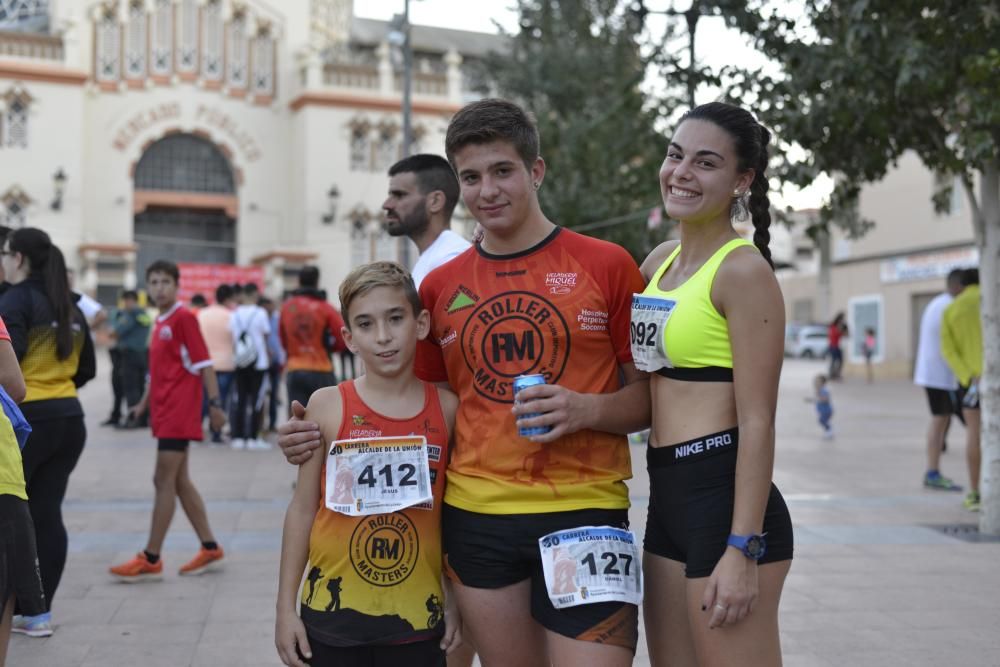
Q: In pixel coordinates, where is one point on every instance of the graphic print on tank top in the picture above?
(560, 310)
(376, 579)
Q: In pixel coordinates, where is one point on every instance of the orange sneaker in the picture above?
(138, 569)
(207, 559)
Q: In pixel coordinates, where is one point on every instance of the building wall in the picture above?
(286, 151)
(885, 278)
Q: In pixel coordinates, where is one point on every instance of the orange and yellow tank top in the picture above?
(377, 579)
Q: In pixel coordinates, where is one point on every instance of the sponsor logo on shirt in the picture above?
(560, 283)
(166, 333)
(592, 320)
(363, 428)
(514, 333)
(449, 337)
(384, 549)
(462, 298)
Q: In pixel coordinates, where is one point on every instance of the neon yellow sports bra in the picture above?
(686, 338)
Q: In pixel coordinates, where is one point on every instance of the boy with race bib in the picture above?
(367, 514)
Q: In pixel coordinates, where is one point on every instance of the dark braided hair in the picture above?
(751, 140)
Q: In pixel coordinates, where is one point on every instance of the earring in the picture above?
(536, 184)
(740, 209)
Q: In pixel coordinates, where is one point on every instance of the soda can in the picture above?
(523, 382)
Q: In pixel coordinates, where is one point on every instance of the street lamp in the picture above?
(332, 199)
(59, 187)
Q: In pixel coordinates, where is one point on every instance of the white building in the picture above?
(214, 131)
(885, 279)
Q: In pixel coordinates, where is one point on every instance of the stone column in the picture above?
(454, 62)
(386, 75)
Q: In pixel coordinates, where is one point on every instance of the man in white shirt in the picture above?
(423, 192)
(249, 324)
(932, 373)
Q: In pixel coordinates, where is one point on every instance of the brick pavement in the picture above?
(871, 585)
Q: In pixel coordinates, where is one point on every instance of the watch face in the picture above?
(755, 547)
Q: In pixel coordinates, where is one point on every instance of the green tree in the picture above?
(868, 80)
(578, 66)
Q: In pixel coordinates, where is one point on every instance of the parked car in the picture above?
(808, 341)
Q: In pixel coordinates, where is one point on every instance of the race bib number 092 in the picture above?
(377, 475)
(591, 564)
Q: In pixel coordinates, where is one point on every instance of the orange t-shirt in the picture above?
(305, 319)
(561, 309)
(377, 579)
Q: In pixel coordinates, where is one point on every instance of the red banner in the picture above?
(204, 278)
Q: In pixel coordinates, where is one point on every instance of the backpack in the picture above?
(245, 350)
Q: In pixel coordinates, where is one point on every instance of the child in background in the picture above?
(868, 349)
(381, 603)
(824, 408)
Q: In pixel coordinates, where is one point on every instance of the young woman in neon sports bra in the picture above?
(709, 328)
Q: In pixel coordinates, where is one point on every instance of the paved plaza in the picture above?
(873, 582)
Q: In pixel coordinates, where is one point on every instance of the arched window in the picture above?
(360, 146)
(161, 38)
(108, 51)
(186, 163)
(13, 207)
(135, 43)
(387, 149)
(15, 118)
(187, 37)
(237, 50)
(212, 40)
(263, 62)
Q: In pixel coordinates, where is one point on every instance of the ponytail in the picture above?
(46, 262)
(760, 203)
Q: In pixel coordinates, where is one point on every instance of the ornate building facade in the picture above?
(214, 131)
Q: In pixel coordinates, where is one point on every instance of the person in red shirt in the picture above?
(310, 332)
(179, 364)
(836, 331)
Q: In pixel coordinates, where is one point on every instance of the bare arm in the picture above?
(10, 372)
(624, 411)
(656, 258)
(750, 299)
(216, 415)
(289, 630)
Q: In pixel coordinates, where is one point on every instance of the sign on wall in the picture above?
(204, 278)
(927, 266)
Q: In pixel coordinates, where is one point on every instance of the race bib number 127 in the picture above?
(591, 564)
(377, 475)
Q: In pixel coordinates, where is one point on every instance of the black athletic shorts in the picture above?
(943, 402)
(497, 550)
(691, 490)
(19, 574)
(172, 445)
(302, 384)
(425, 653)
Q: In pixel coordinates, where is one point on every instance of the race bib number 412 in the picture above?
(591, 564)
(377, 475)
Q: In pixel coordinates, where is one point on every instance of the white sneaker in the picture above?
(238, 443)
(258, 445)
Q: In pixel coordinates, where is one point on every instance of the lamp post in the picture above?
(332, 199)
(59, 187)
(691, 16)
(399, 35)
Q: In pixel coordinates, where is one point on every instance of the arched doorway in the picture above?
(185, 203)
